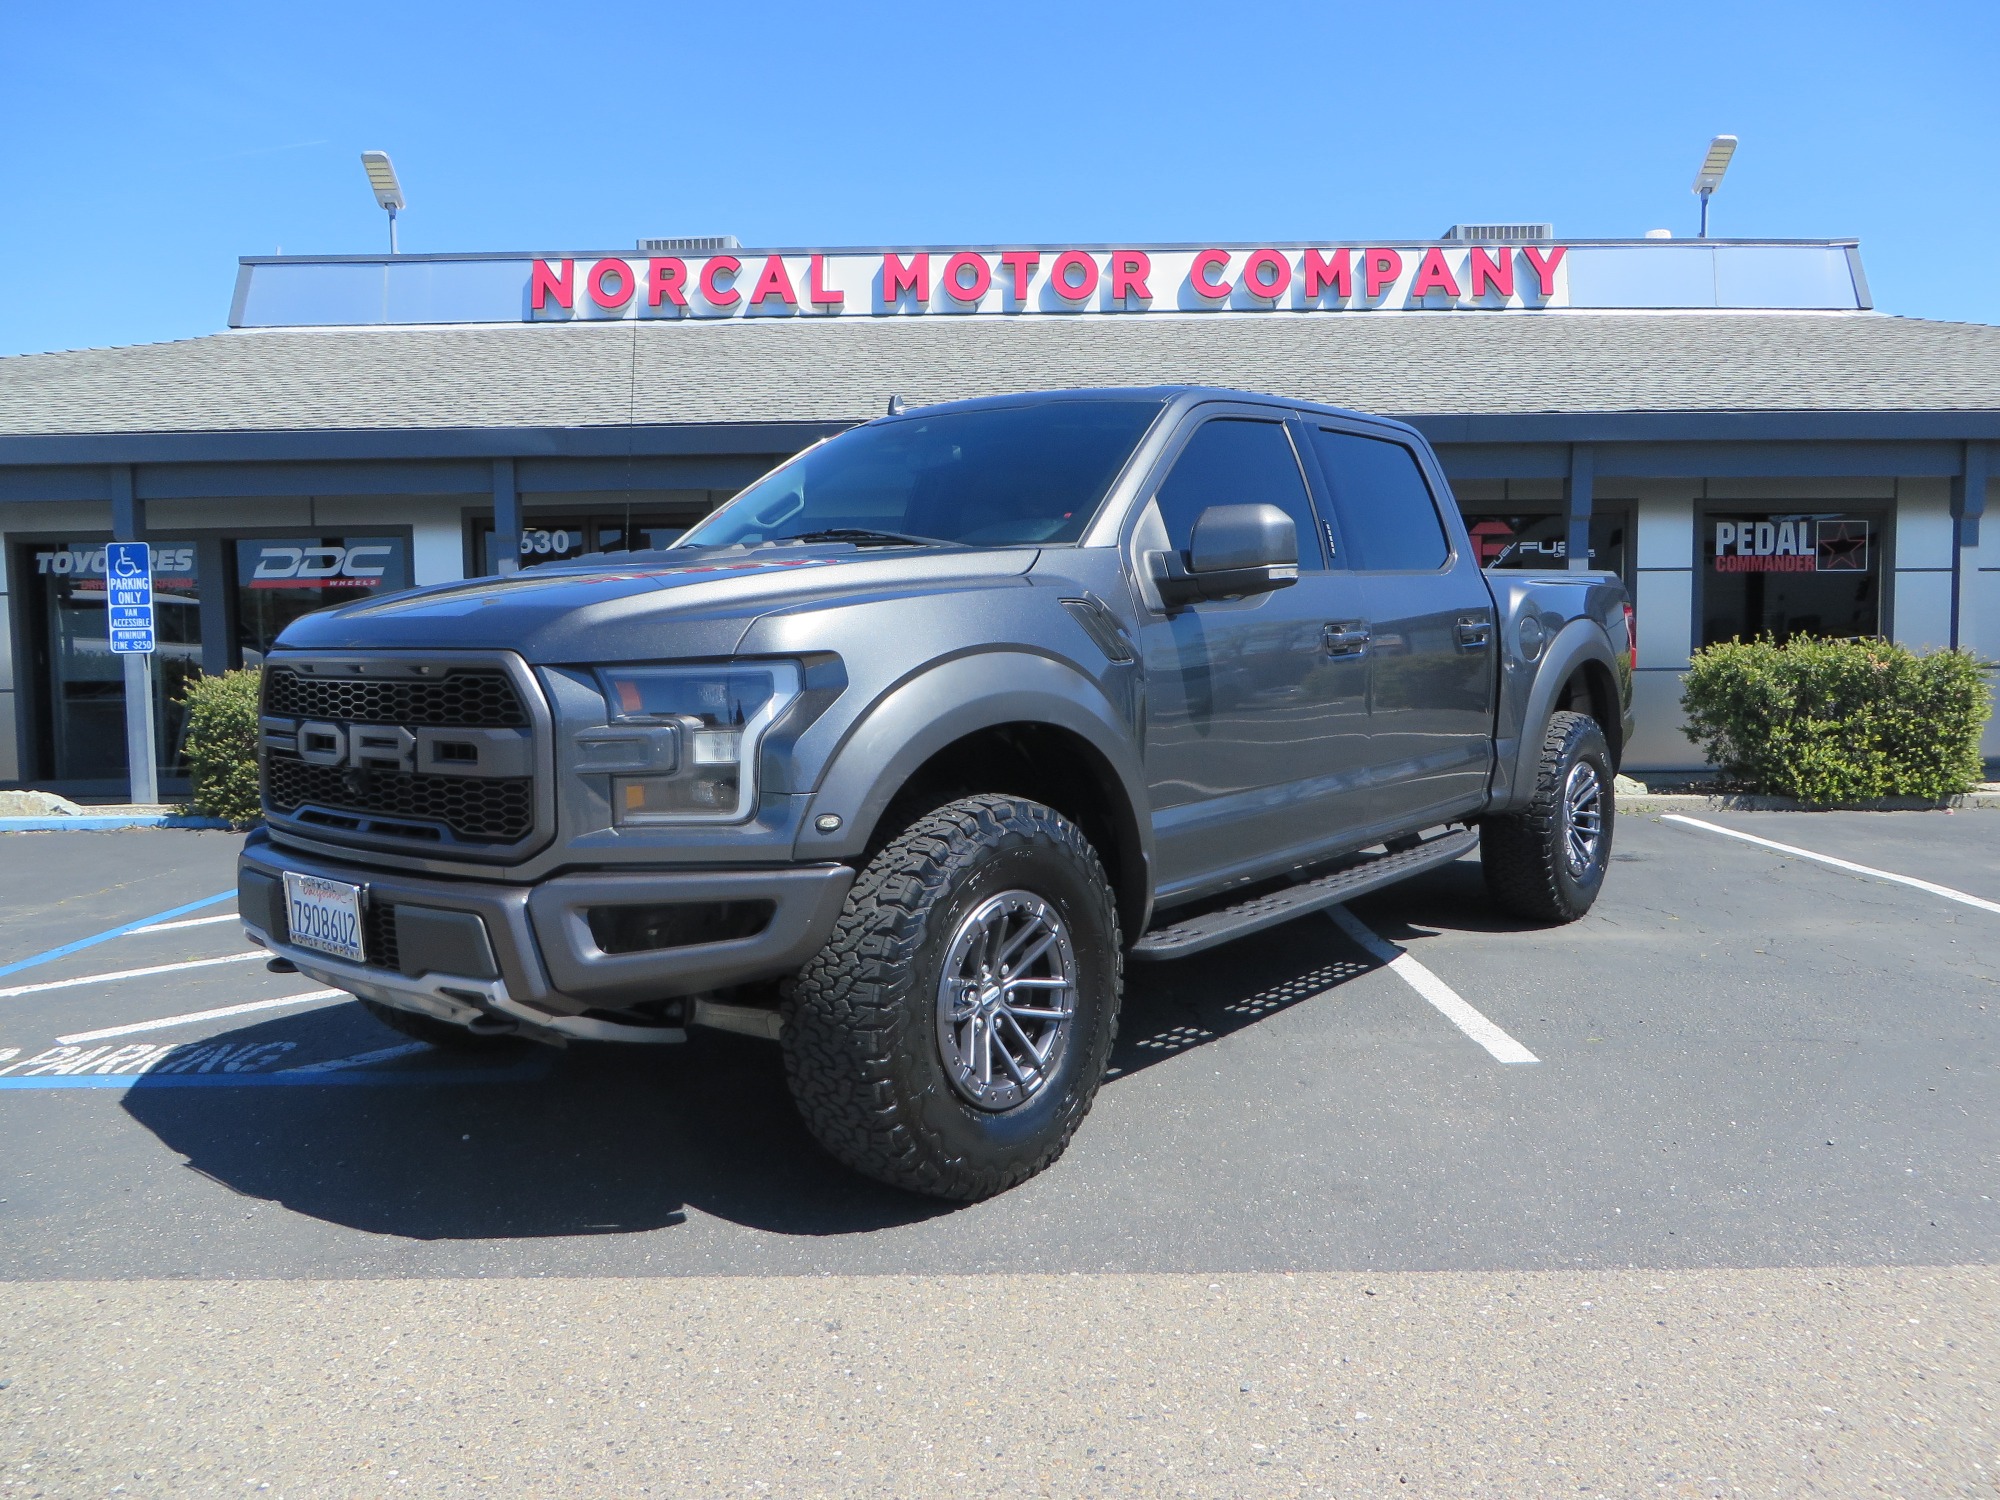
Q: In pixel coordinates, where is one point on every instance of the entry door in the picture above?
(83, 694)
(1432, 636)
(1256, 733)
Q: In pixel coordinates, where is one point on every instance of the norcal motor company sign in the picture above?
(892, 283)
(946, 281)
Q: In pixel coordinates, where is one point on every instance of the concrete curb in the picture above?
(1685, 802)
(85, 823)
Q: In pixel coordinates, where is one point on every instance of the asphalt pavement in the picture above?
(1764, 1088)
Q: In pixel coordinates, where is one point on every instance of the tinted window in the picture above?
(1542, 541)
(1812, 571)
(1237, 462)
(993, 475)
(1388, 520)
(280, 578)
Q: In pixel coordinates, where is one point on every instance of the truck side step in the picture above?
(1216, 927)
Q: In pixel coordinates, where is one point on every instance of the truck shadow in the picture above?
(612, 1141)
(590, 1141)
(1451, 898)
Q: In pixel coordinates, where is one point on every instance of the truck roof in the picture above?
(1168, 395)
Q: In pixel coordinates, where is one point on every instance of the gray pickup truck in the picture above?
(900, 755)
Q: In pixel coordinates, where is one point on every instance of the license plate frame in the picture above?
(325, 915)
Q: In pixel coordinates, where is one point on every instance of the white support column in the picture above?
(1665, 561)
(1921, 601)
(437, 550)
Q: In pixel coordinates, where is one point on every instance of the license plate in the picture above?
(324, 914)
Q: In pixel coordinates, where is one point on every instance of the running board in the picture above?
(1233, 922)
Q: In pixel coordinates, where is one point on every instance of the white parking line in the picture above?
(193, 963)
(228, 916)
(1840, 864)
(1447, 1000)
(197, 1015)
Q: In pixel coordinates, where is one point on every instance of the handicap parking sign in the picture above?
(128, 596)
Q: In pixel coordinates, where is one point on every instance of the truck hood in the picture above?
(606, 610)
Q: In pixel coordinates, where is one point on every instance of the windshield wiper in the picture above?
(865, 536)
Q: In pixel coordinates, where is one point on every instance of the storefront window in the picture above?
(1787, 573)
(560, 539)
(1541, 541)
(280, 578)
(85, 683)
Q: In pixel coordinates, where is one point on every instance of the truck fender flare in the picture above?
(946, 702)
(1576, 643)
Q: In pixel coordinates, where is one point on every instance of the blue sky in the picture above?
(150, 145)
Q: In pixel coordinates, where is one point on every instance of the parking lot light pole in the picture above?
(1709, 178)
(388, 191)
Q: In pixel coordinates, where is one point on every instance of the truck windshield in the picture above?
(990, 476)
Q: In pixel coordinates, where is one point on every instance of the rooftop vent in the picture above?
(692, 244)
(1500, 232)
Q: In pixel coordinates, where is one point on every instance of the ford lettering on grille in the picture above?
(457, 767)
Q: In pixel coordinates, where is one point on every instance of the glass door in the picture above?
(84, 684)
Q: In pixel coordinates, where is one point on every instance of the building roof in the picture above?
(771, 370)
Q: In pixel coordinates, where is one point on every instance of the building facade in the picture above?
(1727, 424)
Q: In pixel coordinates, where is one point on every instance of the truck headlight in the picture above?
(718, 715)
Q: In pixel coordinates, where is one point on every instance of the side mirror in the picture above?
(1235, 550)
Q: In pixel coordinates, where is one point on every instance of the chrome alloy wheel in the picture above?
(1006, 999)
(1583, 819)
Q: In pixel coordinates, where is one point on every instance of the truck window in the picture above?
(1238, 461)
(989, 476)
(1388, 518)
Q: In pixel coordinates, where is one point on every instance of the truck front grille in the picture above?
(379, 936)
(463, 698)
(365, 749)
(495, 810)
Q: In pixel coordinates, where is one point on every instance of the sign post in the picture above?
(128, 610)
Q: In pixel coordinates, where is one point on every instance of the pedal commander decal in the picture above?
(1792, 544)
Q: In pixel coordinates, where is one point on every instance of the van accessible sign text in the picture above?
(893, 283)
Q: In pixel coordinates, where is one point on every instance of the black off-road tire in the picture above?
(444, 1035)
(861, 1030)
(1526, 855)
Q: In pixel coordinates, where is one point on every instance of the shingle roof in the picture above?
(772, 370)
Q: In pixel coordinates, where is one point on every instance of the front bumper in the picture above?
(525, 956)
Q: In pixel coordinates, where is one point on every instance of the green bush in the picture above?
(221, 744)
(1838, 721)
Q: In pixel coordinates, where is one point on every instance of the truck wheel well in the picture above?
(1052, 766)
(1590, 690)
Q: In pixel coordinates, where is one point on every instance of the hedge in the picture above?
(220, 743)
(1838, 721)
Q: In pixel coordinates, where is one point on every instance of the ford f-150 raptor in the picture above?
(900, 755)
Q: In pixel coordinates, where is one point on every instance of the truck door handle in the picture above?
(1348, 639)
(1474, 632)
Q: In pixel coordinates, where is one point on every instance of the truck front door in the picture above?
(1430, 627)
(1257, 723)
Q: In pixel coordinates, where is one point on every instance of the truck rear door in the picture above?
(1428, 622)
